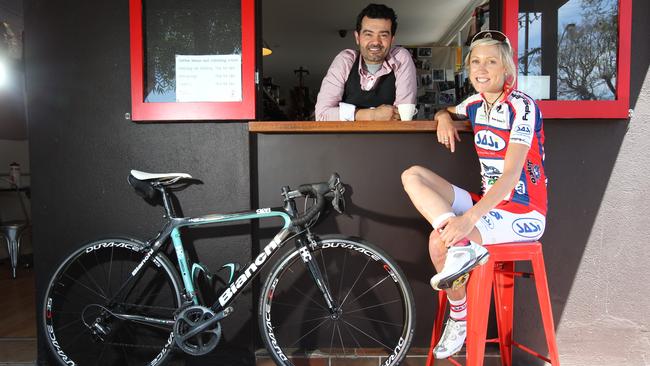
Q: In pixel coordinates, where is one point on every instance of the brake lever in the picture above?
(338, 201)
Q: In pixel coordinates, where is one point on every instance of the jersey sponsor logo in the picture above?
(520, 187)
(491, 171)
(489, 140)
(528, 227)
(534, 171)
(522, 130)
(488, 221)
(496, 215)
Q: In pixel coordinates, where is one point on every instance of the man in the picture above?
(371, 86)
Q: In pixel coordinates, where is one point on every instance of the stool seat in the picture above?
(497, 276)
(12, 232)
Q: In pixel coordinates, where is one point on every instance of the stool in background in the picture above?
(13, 231)
(498, 274)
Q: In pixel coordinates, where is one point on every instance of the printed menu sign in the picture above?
(208, 78)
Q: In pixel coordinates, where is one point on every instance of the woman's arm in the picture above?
(446, 132)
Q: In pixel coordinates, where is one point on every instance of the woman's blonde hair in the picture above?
(505, 55)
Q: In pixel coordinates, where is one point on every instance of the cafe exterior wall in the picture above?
(605, 319)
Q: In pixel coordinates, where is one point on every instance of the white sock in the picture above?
(458, 308)
(441, 218)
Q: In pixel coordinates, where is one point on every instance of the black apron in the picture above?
(383, 91)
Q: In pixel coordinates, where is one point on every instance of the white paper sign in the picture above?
(537, 86)
(208, 78)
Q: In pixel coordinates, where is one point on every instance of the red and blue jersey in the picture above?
(515, 119)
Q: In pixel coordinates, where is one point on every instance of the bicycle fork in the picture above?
(317, 276)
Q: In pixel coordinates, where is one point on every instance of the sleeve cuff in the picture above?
(346, 111)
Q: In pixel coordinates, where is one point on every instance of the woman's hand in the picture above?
(447, 133)
(455, 229)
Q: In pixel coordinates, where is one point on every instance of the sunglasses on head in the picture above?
(491, 34)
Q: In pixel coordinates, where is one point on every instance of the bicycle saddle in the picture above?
(160, 177)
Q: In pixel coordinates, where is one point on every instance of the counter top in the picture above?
(348, 126)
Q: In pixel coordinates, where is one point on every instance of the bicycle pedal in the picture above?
(460, 281)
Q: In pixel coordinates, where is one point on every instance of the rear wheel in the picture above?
(89, 299)
(375, 312)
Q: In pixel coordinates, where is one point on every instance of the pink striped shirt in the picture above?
(399, 61)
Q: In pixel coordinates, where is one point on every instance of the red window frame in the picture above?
(141, 111)
(618, 108)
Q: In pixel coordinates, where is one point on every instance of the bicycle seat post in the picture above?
(169, 208)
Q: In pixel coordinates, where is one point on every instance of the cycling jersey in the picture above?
(515, 119)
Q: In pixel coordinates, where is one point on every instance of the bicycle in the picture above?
(122, 301)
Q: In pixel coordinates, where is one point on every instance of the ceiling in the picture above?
(305, 33)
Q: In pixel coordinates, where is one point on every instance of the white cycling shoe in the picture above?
(452, 339)
(460, 261)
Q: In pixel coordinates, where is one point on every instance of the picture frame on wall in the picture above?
(425, 51)
(438, 74)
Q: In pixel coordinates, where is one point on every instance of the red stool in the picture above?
(499, 274)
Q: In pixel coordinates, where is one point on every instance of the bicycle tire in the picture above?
(79, 323)
(378, 312)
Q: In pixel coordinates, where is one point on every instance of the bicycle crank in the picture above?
(197, 330)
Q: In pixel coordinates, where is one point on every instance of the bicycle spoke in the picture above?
(375, 320)
(103, 270)
(91, 278)
(368, 290)
(308, 333)
(62, 327)
(355, 282)
(110, 270)
(309, 298)
(369, 336)
(345, 259)
(88, 288)
(332, 340)
(297, 306)
(372, 306)
(341, 339)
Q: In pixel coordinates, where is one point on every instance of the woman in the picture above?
(509, 139)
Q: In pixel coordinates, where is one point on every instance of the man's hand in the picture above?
(384, 112)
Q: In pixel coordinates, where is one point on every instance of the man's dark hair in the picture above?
(378, 11)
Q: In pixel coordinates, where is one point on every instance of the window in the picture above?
(192, 60)
(573, 55)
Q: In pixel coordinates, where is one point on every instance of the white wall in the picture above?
(606, 320)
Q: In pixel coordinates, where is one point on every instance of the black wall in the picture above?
(81, 150)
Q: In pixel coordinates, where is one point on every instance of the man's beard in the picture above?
(374, 57)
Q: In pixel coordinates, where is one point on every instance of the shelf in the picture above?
(350, 127)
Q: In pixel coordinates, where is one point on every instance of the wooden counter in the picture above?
(348, 126)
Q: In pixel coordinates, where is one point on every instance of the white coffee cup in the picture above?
(407, 111)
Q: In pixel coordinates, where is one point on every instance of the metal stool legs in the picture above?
(12, 231)
(498, 275)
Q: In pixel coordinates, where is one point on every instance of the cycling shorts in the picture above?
(505, 223)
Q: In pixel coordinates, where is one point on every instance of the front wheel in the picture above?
(96, 313)
(374, 312)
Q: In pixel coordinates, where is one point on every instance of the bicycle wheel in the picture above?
(88, 296)
(376, 312)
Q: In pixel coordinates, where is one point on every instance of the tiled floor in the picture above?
(18, 332)
(18, 317)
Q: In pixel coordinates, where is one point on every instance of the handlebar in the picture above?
(333, 189)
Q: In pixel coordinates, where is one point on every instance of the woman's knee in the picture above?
(411, 175)
(437, 248)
